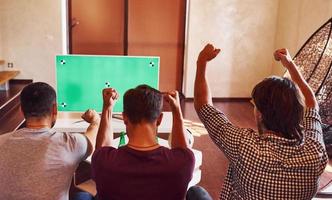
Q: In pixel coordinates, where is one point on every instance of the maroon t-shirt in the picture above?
(125, 173)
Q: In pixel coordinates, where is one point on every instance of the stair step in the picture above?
(10, 105)
(12, 120)
(15, 87)
(11, 116)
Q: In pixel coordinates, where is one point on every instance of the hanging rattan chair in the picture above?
(314, 60)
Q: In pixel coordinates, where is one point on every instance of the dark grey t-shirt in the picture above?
(39, 163)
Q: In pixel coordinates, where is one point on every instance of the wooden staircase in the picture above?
(11, 117)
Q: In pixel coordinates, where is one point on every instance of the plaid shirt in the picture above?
(267, 166)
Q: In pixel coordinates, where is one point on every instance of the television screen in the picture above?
(81, 79)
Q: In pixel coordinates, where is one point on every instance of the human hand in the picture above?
(110, 96)
(172, 97)
(283, 56)
(91, 116)
(208, 53)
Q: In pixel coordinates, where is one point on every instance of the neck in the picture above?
(269, 132)
(142, 136)
(261, 128)
(264, 131)
(38, 123)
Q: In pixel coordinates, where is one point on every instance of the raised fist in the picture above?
(110, 96)
(91, 116)
(208, 53)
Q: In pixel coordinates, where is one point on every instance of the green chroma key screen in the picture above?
(81, 79)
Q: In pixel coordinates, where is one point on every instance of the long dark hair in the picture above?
(280, 104)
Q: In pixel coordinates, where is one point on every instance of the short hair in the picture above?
(142, 103)
(280, 104)
(37, 100)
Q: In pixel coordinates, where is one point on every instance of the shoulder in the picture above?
(72, 139)
(181, 154)
(182, 151)
(4, 137)
(102, 153)
(182, 160)
(75, 144)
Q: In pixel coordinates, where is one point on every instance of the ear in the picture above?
(21, 110)
(55, 110)
(159, 119)
(125, 118)
(259, 116)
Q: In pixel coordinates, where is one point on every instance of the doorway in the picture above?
(134, 28)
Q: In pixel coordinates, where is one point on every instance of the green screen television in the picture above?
(81, 79)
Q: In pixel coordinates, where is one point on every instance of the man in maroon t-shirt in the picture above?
(142, 169)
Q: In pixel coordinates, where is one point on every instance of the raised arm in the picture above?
(178, 137)
(223, 133)
(285, 58)
(202, 94)
(92, 117)
(105, 131)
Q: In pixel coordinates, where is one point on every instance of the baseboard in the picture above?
(21, 81)
(223, 99)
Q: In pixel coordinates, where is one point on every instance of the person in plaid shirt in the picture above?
(286, 156)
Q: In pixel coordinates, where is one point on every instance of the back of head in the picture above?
(279, 102)
(142, 103)
(37, 100)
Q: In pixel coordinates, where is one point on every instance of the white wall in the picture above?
(248, 31)
(244, 30)
(1, 44)
(297, 21)
(31, 36)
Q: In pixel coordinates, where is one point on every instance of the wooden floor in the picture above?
(214, 167)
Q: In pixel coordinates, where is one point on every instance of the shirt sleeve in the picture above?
(79, 145)
(223, 133)
(184, 155)
(100, 156)
(184, 161)
(73, 145)
(313, 125)
(313, 129)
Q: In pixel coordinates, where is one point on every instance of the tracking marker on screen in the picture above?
(62, 62)
(107, 84)
(63, 104)
(151, 64)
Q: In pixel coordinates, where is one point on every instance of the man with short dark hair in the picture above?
(142, 169)
(37, 162)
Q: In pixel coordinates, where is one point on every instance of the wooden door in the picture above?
(96, 27)
(133, 27)
(157, 27)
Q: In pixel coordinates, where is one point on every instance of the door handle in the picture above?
(74, 22)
